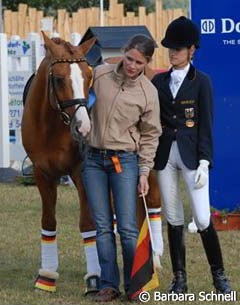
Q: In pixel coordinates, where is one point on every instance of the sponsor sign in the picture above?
(218, 56)
(16, 83)
(19, 48)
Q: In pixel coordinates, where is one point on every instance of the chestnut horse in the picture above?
(55, 104)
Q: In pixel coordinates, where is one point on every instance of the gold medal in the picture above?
(190, 123)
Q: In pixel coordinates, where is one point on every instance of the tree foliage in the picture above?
(132, 6)
(168, 4)
(50, 7)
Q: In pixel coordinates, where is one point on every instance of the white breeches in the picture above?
(168, 181)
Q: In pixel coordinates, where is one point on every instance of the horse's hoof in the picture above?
(92, 285)
(46, 283)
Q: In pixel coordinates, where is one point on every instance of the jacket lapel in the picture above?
(165, 85)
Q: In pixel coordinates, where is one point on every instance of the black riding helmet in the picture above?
(181, 32)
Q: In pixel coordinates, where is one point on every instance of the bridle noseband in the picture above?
(62, 105)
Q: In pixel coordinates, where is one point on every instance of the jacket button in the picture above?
(175, 130)
(173, 102)
(174, 116)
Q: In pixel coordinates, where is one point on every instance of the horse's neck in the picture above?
(43, 69)
(41, 81)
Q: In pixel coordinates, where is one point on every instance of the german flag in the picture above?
(143, 275)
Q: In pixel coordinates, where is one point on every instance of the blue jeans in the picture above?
(100, 179)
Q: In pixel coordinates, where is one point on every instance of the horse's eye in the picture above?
(58, 81)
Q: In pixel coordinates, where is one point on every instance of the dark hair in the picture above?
(143, 44)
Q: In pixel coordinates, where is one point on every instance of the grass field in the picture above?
(20, 211)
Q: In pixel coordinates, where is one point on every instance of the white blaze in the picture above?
(78, 92)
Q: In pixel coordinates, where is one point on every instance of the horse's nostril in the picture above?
(77, 129)
(79, 124)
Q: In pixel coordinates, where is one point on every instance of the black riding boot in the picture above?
(214, 255)
(177, 253)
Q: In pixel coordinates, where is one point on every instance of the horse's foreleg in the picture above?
(154, 212)
(88, 233)
(47, 275)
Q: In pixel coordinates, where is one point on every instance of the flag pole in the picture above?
(157, 262)
(101, 13)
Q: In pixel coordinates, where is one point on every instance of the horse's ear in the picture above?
(49, 43)
(86, 46)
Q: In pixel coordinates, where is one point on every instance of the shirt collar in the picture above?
(180, 73)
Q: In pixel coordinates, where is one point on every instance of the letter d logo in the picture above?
(208, 26)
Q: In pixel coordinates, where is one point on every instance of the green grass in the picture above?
(20, 213)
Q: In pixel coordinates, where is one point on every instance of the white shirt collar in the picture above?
(180, 73)
(177, 77)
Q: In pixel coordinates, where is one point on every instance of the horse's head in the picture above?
(69, 80)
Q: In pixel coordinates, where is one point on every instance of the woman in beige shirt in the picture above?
(123, 141)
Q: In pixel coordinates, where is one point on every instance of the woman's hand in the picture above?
(143, 186)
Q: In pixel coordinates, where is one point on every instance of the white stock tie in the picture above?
(177, 77)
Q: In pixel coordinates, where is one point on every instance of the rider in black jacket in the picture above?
(186, 147)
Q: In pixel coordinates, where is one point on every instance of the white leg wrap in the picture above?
(90, 249)
(49, 274)
(49, 251)
(156, 227)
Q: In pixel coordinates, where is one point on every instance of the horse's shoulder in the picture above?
(103, 69)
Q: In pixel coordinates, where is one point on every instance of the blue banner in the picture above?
(219, 56)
